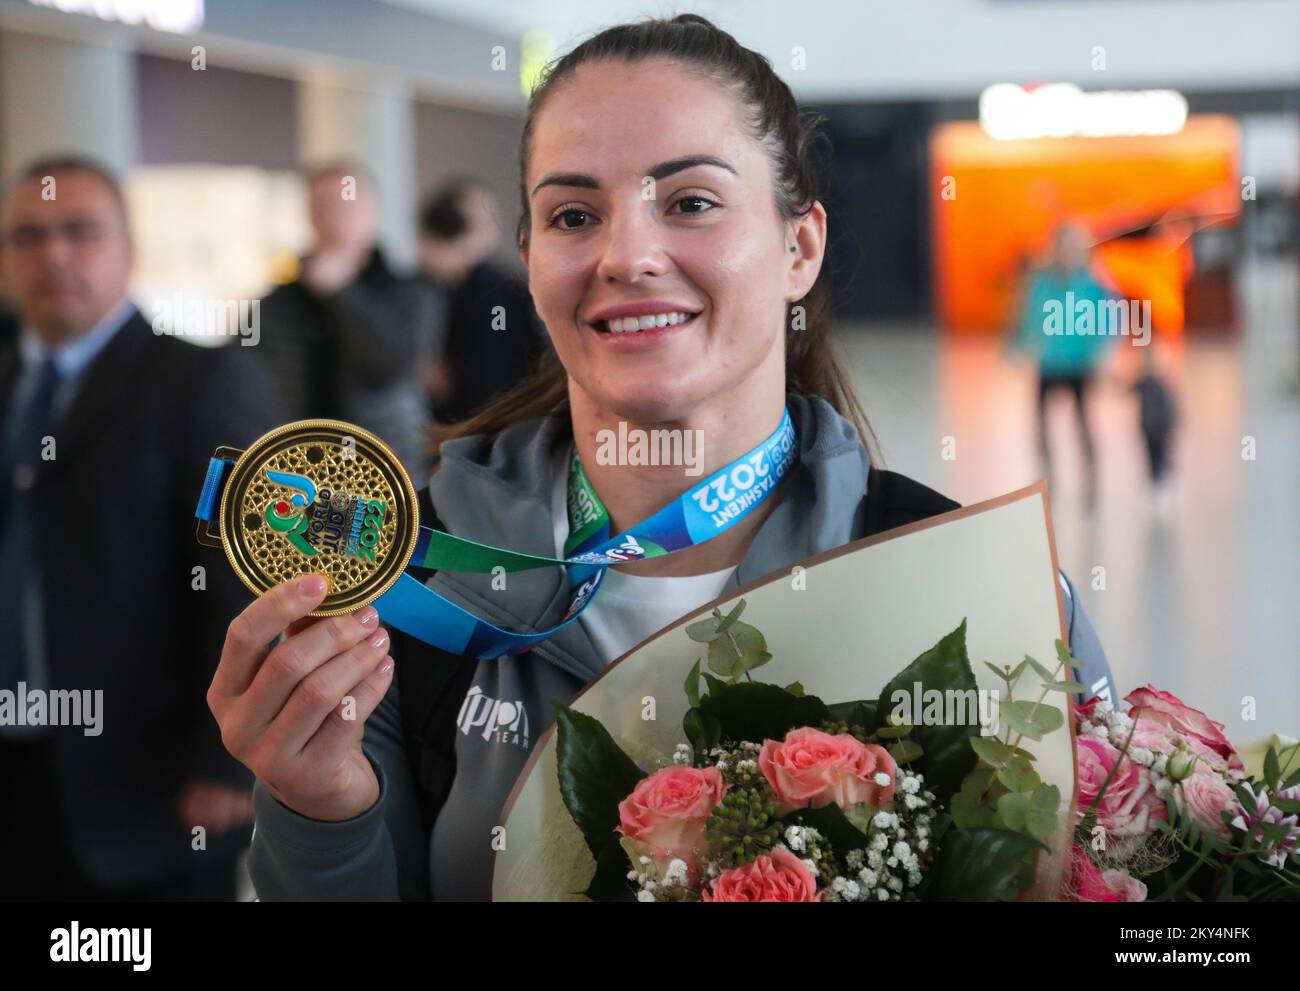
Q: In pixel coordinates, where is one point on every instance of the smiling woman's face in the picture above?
(650, 198)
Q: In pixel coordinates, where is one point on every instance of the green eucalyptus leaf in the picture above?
(1034, 720)
(1013, 807)
(991, 750)
(1066, 686)
(906, 751)
(703, 631)
(894, 732)
(1040, 825)
(1019, 778)
(1002, 674)
(1046, 798)
(732, 617)
(1039, 669)
(968, 812)
(723, 657)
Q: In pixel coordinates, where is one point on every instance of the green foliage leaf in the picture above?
(1271, 770)
(702, 730)
(703, 631)
(833, 824)
(732, 617)
(796, 689)
(1034, 720)
(855, 714)
(991, 750)
(981, 865)
(906, 751)
(595, 775)
(945, 666)
(1039, 669)
(1019, 776)
(692, 685)
(1066, 686)
(754, 710)
(738, 650)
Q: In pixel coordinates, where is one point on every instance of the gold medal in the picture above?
(318, 496)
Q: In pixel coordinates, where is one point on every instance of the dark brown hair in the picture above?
(790, 137)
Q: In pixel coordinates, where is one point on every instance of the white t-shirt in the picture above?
(629, 608)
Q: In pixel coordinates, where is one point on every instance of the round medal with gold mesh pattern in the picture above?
(320, 496)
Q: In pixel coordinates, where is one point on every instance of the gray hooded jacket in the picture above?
(500, 493)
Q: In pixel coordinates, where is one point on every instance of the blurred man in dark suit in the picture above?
(347, 339)
(493, 338)
(115, 783)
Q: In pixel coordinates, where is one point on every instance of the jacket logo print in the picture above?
(496, 720)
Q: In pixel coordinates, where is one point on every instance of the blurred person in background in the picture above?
(105, 430)
(348, 338)
(493, 339)
(1157, 416)
(1067, 361)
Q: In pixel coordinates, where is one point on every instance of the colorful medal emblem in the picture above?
(315, 496)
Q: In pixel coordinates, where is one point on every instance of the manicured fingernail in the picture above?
(368, 616)
(386, 666)
(379, 639)
(312, 586)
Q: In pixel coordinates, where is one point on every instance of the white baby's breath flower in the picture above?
(883, 779)
(882, 894)
(676, 872)
(811, 865)
(901, 850)
(645, 896)
(911, 785)
(848, 889)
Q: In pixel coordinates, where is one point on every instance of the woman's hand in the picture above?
(282, 711)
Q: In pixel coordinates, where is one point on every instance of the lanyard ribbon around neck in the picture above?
(707, 509)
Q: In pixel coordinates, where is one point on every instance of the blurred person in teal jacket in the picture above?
(1068, 322)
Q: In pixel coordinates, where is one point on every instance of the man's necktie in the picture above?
(17, 474)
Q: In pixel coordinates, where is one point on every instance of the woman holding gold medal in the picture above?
(670, 229)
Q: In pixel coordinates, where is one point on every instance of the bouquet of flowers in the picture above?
(775, 795)
(1167, 809)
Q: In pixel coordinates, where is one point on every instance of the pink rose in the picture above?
(1163, 708)
(1203, 796)
(814, 769)
(1094, 885)
(778, 876)
(1130, 804)
(1151, 735)
(1084, 710)
(666, 812)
